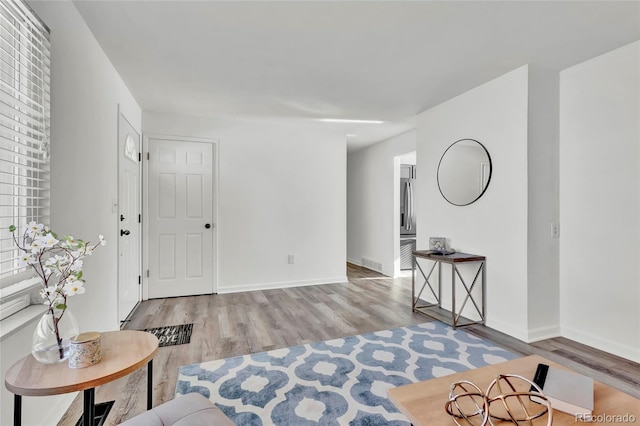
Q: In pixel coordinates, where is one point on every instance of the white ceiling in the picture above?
(382, 60)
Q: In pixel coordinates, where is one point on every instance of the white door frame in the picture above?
(145, 204)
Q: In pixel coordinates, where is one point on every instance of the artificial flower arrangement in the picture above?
(58, 262)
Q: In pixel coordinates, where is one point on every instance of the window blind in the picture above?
(24, 129)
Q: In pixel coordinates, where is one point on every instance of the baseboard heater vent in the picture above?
(372, 264)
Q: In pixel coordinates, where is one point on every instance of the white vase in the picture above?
(50, 347)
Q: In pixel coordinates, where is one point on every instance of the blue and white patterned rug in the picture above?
(337, 382)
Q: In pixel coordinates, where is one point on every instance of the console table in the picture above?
(455, 259)
(122, 353)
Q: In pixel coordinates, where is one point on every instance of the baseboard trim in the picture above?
(387, 273)
(354, 262)
(543, 333)
(278, 285)
(606, 345)
(507, 329)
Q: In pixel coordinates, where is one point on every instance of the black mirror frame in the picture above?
(488, 180)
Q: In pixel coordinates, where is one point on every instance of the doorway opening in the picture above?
(405, 223)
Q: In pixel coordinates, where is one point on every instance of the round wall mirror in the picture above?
(464, 172)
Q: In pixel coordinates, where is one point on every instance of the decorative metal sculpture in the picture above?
(468, 405)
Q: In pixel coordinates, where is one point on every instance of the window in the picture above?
(24, 141)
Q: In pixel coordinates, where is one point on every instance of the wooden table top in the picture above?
(122, 353)
(449, 258)
(423, 402)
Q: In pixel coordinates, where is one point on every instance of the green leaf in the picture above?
(79, 274)
(61, 306)
(54, 235)
(12, 228)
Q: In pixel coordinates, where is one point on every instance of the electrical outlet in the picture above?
(555, 230)
(292, 259)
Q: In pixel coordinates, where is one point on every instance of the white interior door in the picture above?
(180, 217)
(129, 241)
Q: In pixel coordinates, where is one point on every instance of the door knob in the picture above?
(124, 232)
(208, 225)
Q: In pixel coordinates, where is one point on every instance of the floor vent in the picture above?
(371, 264)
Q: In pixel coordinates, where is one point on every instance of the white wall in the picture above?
(495, 226)
(600, 202)
(543, 205)
(282, 190)
(373, 202)
(85, 93)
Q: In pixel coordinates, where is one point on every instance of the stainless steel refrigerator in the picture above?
(407, 214)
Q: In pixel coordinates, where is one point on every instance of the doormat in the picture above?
(172, 335)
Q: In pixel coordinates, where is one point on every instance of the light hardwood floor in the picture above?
(236, 324)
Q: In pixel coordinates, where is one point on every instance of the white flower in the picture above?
(26, 259)
(47, 240)
(35, 246)
(34, 229)
(51, 296)
(103, 242)
(54, 260)
(44, 293)
(71, 243)
(73, 288)
(76, 266)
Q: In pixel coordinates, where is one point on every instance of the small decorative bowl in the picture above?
(85, 350)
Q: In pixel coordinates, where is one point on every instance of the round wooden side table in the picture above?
(123, 352)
